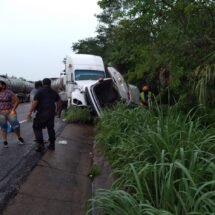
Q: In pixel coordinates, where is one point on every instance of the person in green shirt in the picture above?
(145, 96)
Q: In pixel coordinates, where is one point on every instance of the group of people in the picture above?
(46, 103)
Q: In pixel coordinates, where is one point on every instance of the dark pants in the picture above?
(41, 121)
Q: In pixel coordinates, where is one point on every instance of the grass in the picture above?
(78, 114)
(163, 161)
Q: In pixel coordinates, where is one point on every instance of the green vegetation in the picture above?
(163, 159)
(78, 114)
(163, 162)
(164, 43)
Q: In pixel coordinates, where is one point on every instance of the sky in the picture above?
(35, 35)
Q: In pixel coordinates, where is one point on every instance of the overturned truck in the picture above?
(102, 94)
(86, 82)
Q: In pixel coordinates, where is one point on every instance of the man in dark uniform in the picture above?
(46, 103)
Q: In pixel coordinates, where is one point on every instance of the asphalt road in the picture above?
(17, 161)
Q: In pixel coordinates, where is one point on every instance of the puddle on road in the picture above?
(63, 142)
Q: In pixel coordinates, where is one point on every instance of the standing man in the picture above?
(46, 103)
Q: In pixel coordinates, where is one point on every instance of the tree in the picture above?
(142, 36)
(89, 46)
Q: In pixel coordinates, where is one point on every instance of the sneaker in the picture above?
(20, 141)
(5, 144)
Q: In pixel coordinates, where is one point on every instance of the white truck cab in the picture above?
(86, 84)
(81, 70)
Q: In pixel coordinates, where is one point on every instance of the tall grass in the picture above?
(204, 83)
(163, 162)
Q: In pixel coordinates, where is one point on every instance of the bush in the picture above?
(78, 114)
(163, 160)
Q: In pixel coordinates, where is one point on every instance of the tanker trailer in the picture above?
(20, 87)
(57, 84)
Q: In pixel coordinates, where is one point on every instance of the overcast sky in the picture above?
(35, 35)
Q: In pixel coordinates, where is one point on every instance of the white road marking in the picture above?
(62, 142)
(23, 121)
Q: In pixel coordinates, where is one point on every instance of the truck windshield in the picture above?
(88, 74)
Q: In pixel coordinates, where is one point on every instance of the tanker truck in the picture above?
(20, 87)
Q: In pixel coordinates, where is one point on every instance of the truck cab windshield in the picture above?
(88, 75)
